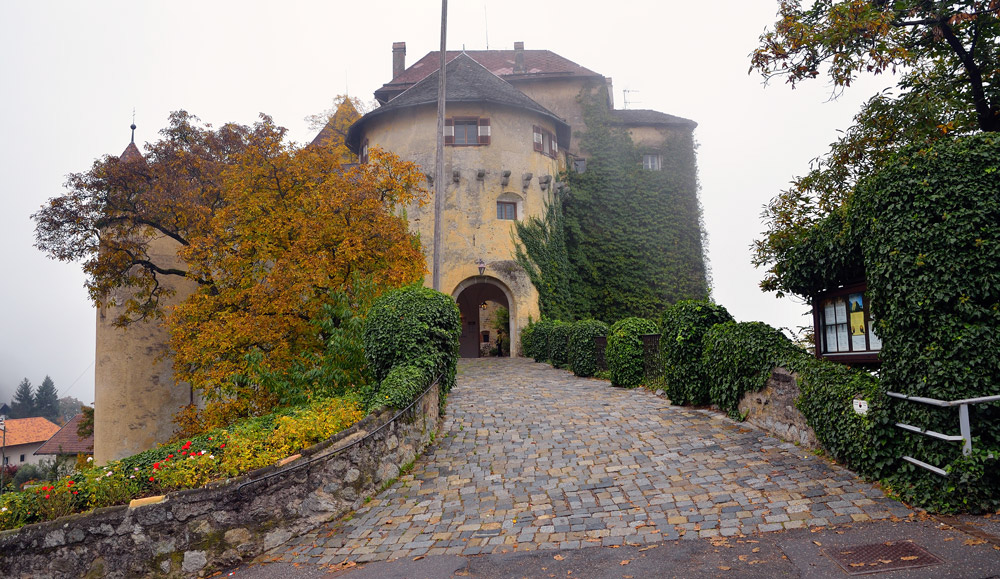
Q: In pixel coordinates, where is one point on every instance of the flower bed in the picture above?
(217, 454)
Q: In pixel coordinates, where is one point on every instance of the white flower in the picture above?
(133, 476)
(211, 456)
(90, 459)
(3, 510)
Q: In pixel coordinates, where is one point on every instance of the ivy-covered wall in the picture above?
(633, 236)
(622, 241)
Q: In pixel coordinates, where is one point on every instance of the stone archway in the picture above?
(471, 295)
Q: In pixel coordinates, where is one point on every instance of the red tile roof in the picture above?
(537, 64)
(29, 430)
(66, 440)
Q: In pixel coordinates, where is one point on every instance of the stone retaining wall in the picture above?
(773, 409)
(195, 532)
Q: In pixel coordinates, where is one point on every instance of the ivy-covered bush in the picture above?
(929, 227)
(411, 326)
(738, 357)
(527, 338)
(682, 327)
(540, 340)
(828, 390)
(625, 354)
(559, 344)
(582, 352)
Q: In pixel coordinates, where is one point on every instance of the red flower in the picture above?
(46, 496)
(156, 466)
(183, 452)
(223, 445)
(76, 492)
(186, 446)
(151, 479)
(170, 456)
(69, 484)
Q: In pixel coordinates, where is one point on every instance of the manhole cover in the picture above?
(879, 557)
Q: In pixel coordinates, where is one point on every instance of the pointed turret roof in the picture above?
(467, 81)
(131, 152)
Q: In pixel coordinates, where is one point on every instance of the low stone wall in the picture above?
(195, 532)
(773, 409)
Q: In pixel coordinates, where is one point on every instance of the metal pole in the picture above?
(439, 186)
(3, 454)
(965, 428)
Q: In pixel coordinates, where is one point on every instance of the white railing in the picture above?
(964, 427)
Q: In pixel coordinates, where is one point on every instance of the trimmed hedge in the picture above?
(582, 352)
(682, 327)
(738, 357)
(625, 353)
(559, 343)
(540, 340)
(413, 326)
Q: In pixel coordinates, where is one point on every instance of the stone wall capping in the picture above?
(195, 532)
(136, 503)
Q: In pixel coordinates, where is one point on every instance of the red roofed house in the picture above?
(23, 437)
(67, 441)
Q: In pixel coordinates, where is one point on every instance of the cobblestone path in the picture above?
(531, 457)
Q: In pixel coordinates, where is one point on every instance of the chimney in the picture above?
(518, 57)
(398, 58)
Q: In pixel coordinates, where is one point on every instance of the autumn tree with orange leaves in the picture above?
(272, 233)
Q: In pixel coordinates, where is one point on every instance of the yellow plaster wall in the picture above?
(471, 229)
(561, 96)
(135, 396)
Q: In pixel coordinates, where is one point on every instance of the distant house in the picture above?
(67, 442)
(4, 410)
(23, 437)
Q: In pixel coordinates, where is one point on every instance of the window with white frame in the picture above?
(544, 142)
(652, 162)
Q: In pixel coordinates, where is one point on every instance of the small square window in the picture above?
(466, 132)
(579, 165)
(22, 458)
(506, 210)
(651, 162)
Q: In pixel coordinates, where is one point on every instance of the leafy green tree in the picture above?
(23, 404)
(47, 400)
(69, 407)
(948, 59)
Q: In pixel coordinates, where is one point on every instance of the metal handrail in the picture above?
(964, 426)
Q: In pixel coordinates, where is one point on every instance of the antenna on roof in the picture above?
(625, 93)
(486, 25)
(132, 126)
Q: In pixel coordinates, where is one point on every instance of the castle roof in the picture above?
(538, 65)
(467, 81)
(650, 118)
(67, 441)
(29, 430)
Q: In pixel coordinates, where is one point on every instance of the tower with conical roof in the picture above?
(135, 395)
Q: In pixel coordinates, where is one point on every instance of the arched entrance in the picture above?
(481, 300)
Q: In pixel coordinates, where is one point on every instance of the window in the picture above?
(579, 165)
(844, 328)
(22, 458)
(363, 156)
(545, 142)
(506, 210)
(651, 162)
(464, 131)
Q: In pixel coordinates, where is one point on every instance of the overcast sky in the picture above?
(72, 72)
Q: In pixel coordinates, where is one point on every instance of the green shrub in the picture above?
(929, 227)
(828, 390)
(738, 357)
(625, 353)
(403, 384)
(559, 344)
(540, 340)
(527, 338)
(682, 327)
(412, 325)
(582, 353)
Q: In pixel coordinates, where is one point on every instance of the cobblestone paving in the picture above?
(531, 457)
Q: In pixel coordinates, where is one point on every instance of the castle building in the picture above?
(510, 127)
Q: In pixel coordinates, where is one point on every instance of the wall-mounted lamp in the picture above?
(482, 306)
(481, 265)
